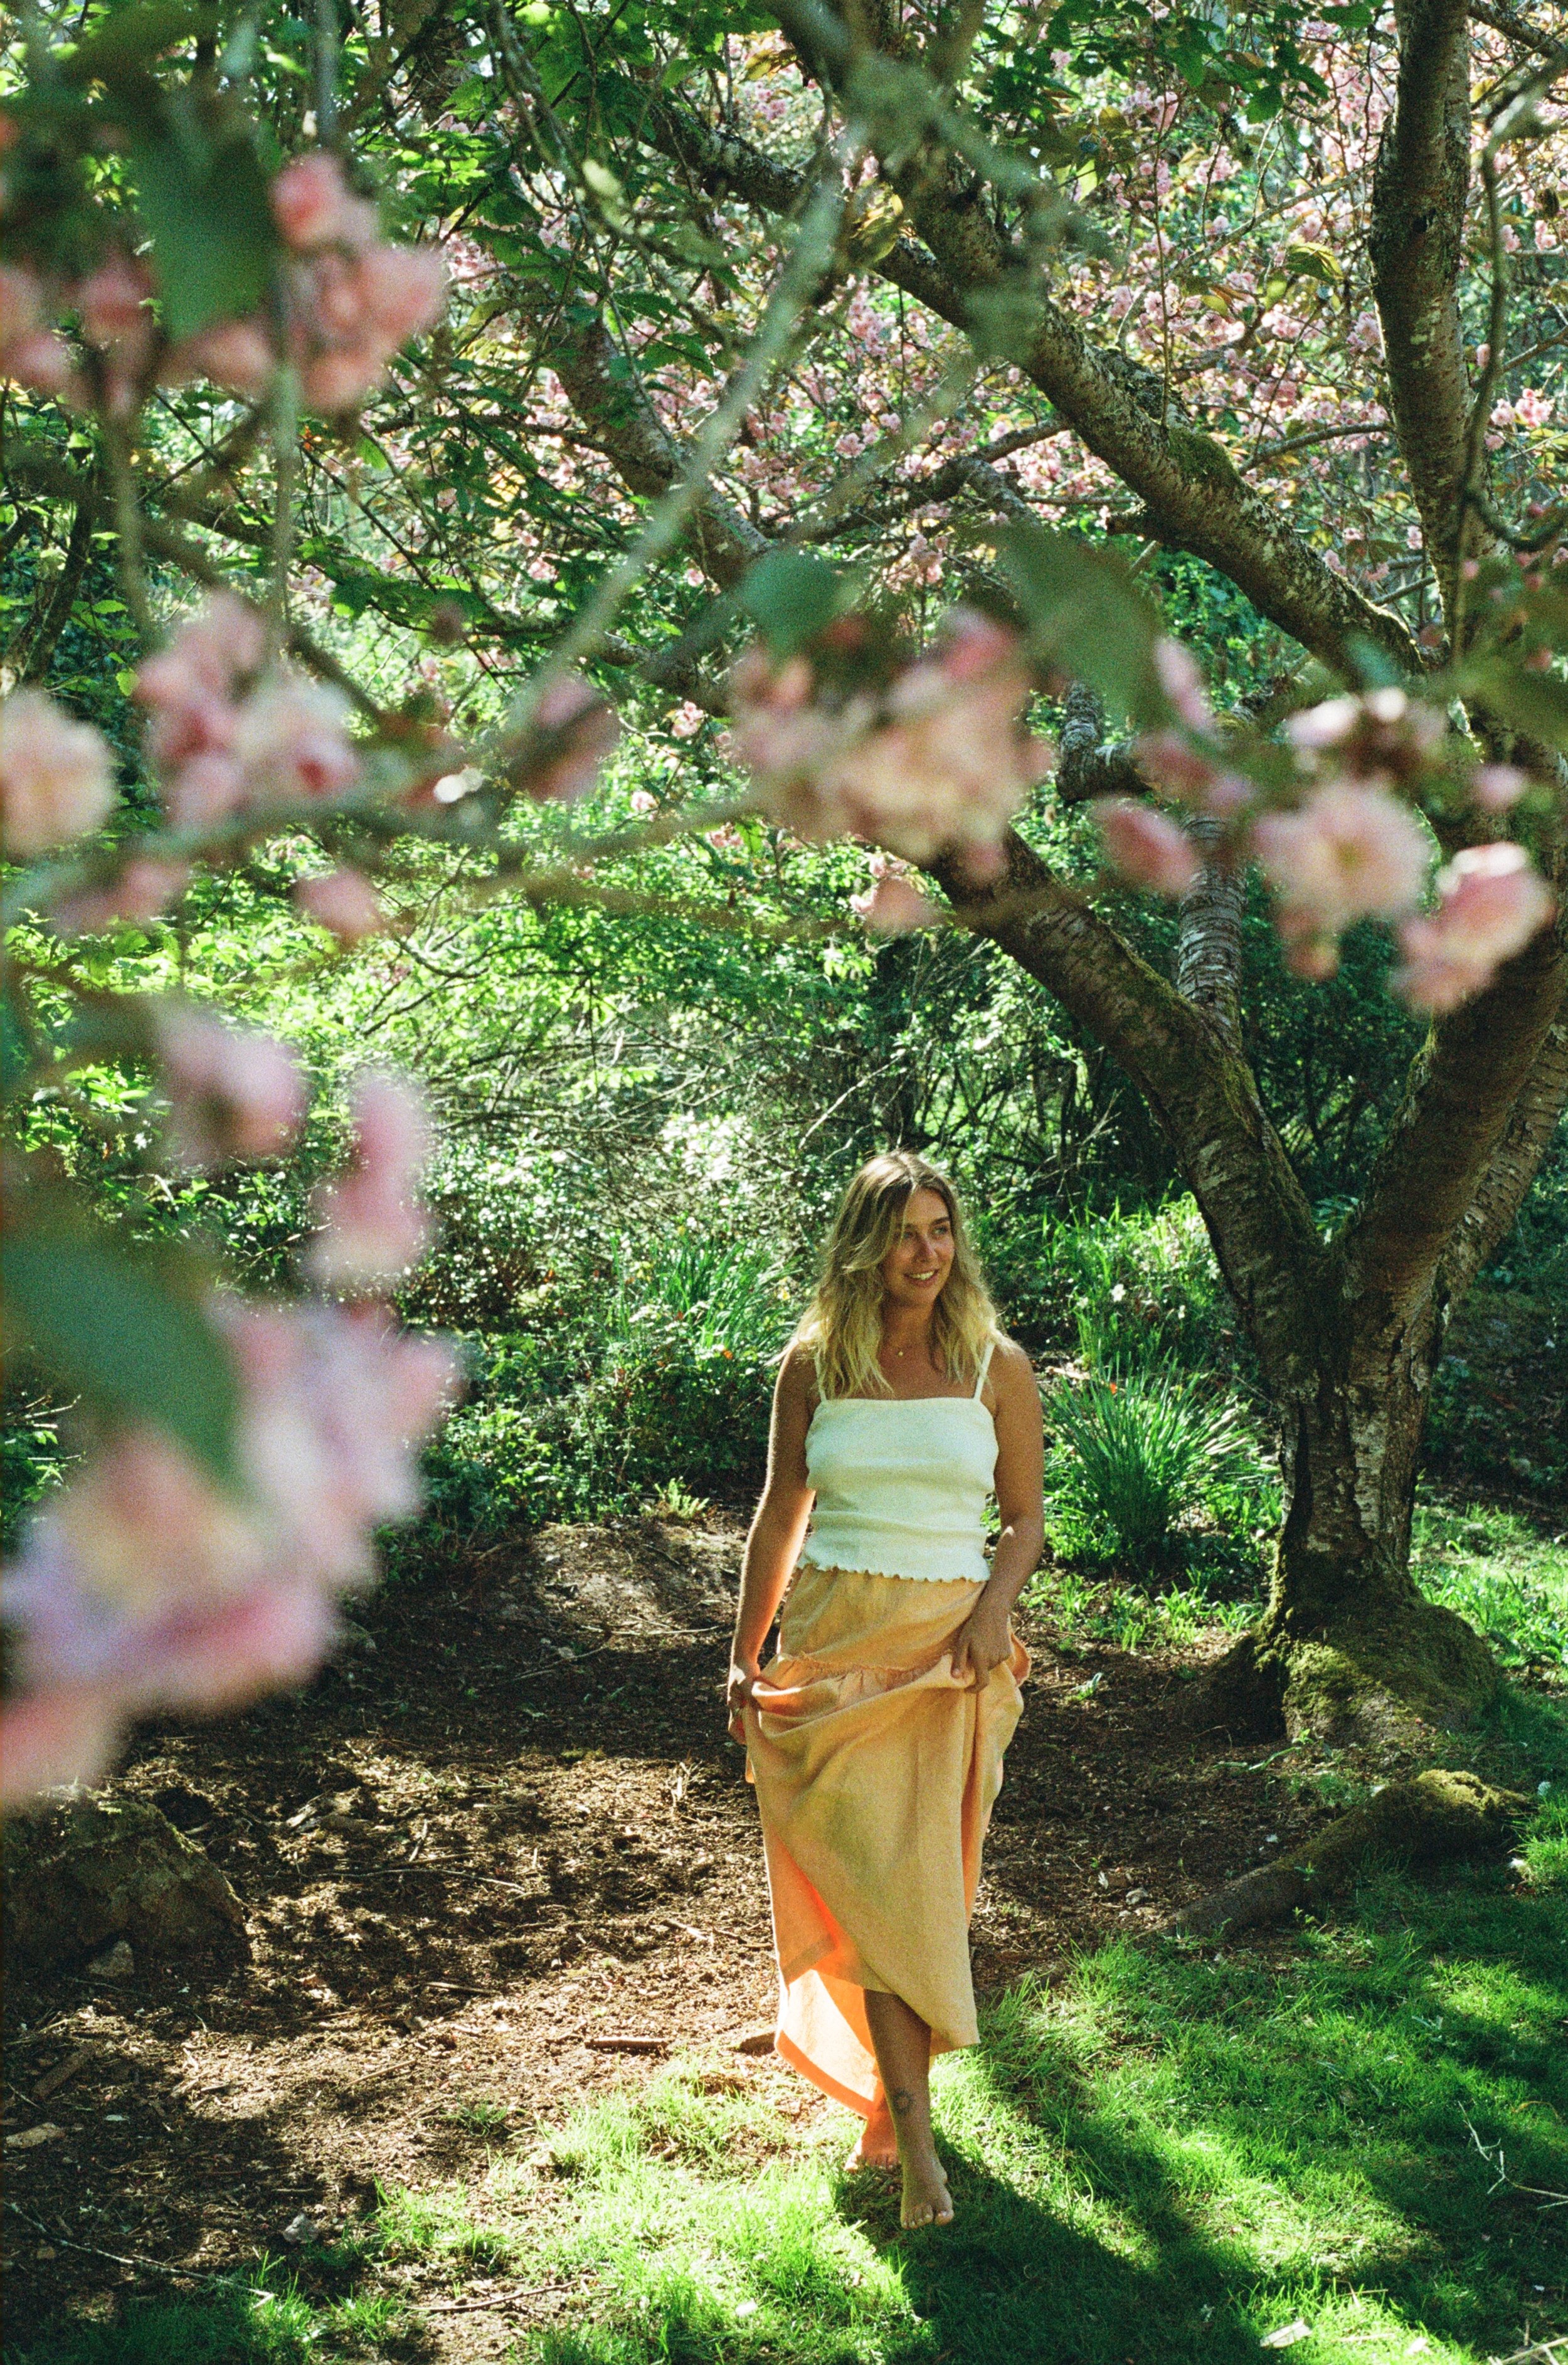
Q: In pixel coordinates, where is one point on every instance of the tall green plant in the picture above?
(1140, 1451)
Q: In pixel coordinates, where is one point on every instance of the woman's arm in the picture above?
(982, 1640)
(773, 1543)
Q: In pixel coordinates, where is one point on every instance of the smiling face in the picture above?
(915, 1268)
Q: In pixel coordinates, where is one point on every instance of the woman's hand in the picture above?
(984, 1642)
(739, 1693)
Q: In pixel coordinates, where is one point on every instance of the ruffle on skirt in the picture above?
(876, 1772)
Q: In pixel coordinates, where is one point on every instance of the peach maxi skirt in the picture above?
(876, 1772)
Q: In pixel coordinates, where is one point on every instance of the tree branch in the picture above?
(1195, 498)
(1466, 1087)
(1201, 1092)
(1515, 1163)
(1420, 185)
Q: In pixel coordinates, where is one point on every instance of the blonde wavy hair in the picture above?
(842, 1327)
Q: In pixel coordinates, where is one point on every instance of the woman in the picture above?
(875, 1737)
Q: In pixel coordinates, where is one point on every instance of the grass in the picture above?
(1171, 2155)
(1501, 1572)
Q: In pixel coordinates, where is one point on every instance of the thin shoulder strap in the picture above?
(985, 1366)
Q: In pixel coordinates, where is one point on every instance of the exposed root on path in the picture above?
(1438, 1817)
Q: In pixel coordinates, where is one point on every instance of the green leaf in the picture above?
(1536, 704)
(126, 1334)
(132, 36)
(1306, 260)
(791, 595)
(16, 1057)
(213, 241)
(1087, 617)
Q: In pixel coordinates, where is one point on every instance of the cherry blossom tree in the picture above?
(809, 371)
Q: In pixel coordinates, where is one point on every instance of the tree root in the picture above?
(1383, 1680)
(1438, 1817)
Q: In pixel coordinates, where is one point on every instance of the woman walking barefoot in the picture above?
(875, 1737)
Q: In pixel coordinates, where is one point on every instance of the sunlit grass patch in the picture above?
(1499, 1571)
(1168, 2158)
(439, 2225)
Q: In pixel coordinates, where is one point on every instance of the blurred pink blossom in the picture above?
(1495, 787)
(343, 901)
(237, 354)
(1533, 408)
(56, 775)
(1348, 852)
(233, 1092)
(644, 802)
(892, 907)
(1145, 846)
(1182, 683)
(937, 759)
(142, 1585)
(1195, 774)
(30, 352)
(1491, 902)
(372, 1225)
(292, 741)
(144, 887)
(313, 205)
(571, 737)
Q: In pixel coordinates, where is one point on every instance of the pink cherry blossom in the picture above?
(233, 1092)
(313, 205)
(237, 354)
(644, 802)
(937, 759)
(373, 1227)
(292, 741)
(52, 1739)
(1195, 774)
(1495, 787)
(56, 775)
(1491, 902)
(892, 907)
(142, 1585)
(344, 901)
(112, 306)
(1145, 846)
(1182, 683)
(573, 733)
(145, 886)
(1349, 851)
(29, 350)
(1533, 408)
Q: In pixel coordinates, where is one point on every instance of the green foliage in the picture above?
(1139, 1452)
(123, 1332)
(1086, 616)
(1138, 1288)
(1501, 1573)
(652, 1372)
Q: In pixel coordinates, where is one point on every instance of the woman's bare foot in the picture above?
(877, 2146)
(926, 2200)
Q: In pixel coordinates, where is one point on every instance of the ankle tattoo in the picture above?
(902, 2101)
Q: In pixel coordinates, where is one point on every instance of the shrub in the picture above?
(1137, 1453)
(1141, 1288)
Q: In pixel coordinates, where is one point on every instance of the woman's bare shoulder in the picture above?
(797, 1373)
(1011, 1370)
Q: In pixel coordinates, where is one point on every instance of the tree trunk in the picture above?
(1348, 1648)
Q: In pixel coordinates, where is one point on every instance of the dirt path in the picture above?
(507, 1829)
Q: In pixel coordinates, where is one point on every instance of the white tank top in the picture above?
(901, 1484)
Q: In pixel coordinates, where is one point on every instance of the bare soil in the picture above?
(503, 1837)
